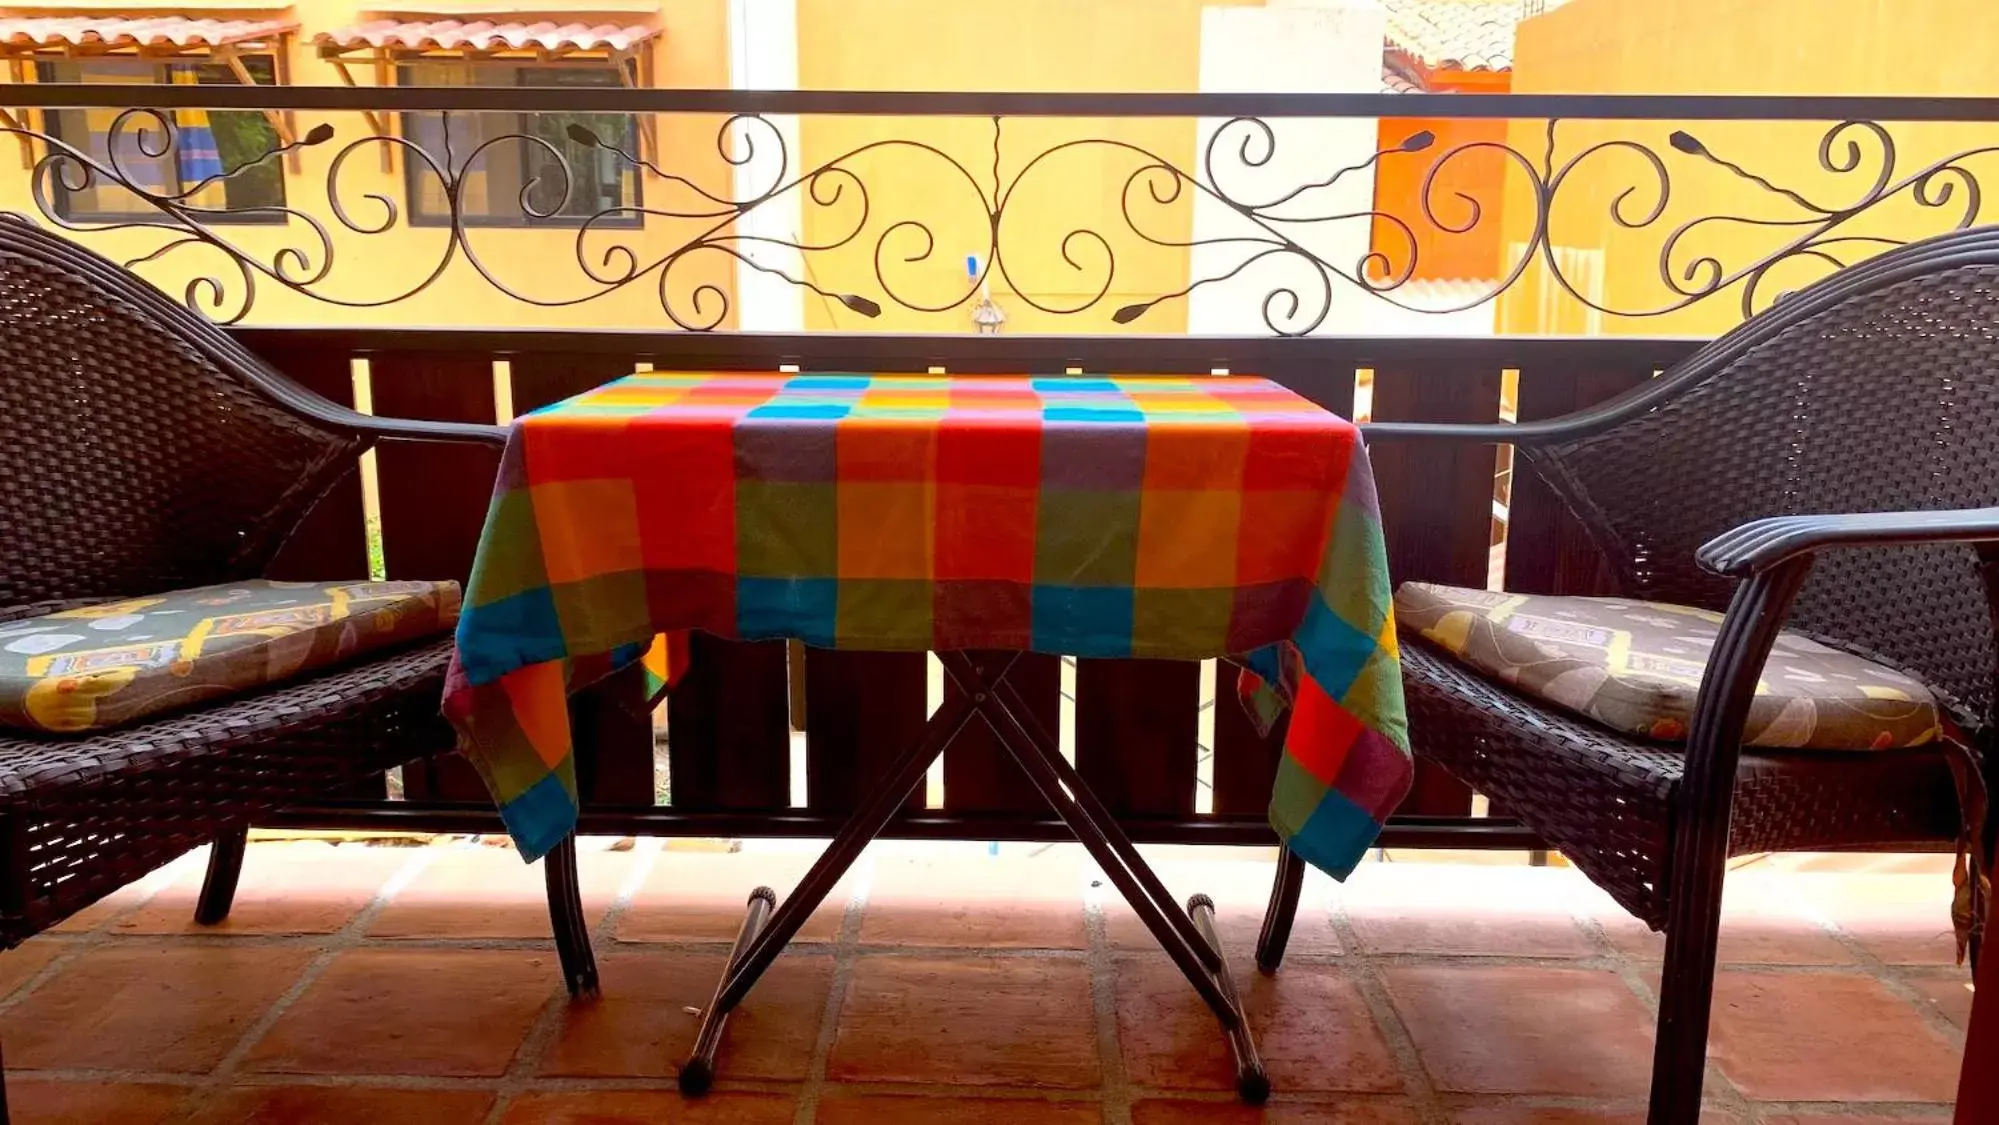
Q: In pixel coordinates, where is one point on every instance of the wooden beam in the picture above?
(17, 69)
(279, 121)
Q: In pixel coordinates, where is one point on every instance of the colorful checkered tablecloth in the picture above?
(1156, 517)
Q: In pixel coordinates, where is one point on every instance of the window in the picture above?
(211, 144)
(516, 182)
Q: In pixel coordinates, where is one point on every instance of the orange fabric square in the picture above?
(587, 528)
(540, 701)
(883, 450)
(1187, 539)
(1196, 455)
(884, 530)
(1283, 535)
(986, 531)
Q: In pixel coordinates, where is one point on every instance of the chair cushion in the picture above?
(108, 664)
(1636, 667)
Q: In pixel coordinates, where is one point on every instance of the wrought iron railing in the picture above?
(1604, 163)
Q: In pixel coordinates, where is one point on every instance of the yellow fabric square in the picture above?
(1187, 538)
(886, 530)
(587, 528)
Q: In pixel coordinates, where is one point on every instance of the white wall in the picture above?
(763, 43)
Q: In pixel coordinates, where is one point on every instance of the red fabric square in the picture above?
(1283, 535)
(1322, 732)
(985, 531)
(580, 447)
(686, 486)
(1299, 455)
(983, 615)
(990, 452)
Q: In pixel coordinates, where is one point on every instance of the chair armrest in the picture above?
(1760, 545)
(413, 429)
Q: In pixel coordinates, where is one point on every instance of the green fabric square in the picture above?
(1086, 538)
(1352, 578)
(1375, 698)
(503, 573)
(1183, 624)
(1294, 796)
(602, 612)
(787, 529)
(884, 613)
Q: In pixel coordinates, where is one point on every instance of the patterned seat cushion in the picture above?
(110, 664)
(1636, 667)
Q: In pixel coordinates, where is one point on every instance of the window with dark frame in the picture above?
(505, 177)
(217, 163)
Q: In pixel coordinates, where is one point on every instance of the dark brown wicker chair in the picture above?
(1727, 483)
(143, 450)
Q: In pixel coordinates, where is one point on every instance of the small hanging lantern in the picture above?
(986, 316)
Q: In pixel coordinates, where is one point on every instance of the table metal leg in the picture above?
(699, 1073)
(1283, 909)
(1251, 1083)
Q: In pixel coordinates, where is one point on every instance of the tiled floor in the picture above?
(947, 983)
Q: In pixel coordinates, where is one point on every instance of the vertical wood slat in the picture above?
(979, 775)
(433, 502)
(331, 543)
(1547, 550)
(862, 709)
(1137, 733)
(613, 735)
(729, 727)
(1436, 509)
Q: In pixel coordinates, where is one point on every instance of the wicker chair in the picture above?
(1727, 483)
(143, 450)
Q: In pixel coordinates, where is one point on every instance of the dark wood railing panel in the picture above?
(979, 776)
(332, 542)
(612, 730)
(729, 728)
(861, 710)
(1436, 507)
(1245, 762)
(1138, 733)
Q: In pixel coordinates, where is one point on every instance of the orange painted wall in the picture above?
(1440, 252)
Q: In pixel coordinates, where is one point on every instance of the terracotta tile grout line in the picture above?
(532, 1053)
(1361, 967)
(331, 946)
(1102, 959)
(846, 954)
(1890, 976)
(76, 944)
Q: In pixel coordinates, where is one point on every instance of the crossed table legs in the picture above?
(1188, 936)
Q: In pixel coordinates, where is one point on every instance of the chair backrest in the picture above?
(1875, 390)
(139, 448)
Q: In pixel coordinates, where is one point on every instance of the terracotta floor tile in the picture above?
(34, 1102)
(1546, 1115)
(1525, 1030)
(1007, 901)
(1238, 880)
(699, 896)
(861, 1109)
(639, 1026)
(1844, 1119)
(20, 964)
(1951, 995)
(143, 1007)
(1902, 919)
(1311, 1025)
(648, 1107)
(487, 892)
(302, 887)
(1016, 1021)
(336, 1105)
(1156, 1112)
(1762, 923)
(94, 915)
(456, 1012)
(1826, 1037)
(1416, 908)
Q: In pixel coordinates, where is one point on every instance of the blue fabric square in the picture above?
(1336, 837)
(1072, 384)
(817, 411)
(828, 383)
(514, 632)
(802, 608)
(1106, 413)
(539, 818)
(1083, 620)
(1334, 651)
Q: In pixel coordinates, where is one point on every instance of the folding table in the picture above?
(974, 517)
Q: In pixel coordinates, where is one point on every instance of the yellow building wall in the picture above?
(1021, 45)
(1874, 47)
(368, 268)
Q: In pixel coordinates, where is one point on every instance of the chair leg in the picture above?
(225, 866)
(565, 916)
(1283, 909)
(1686, 989)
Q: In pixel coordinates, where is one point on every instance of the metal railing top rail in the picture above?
(914, 103)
